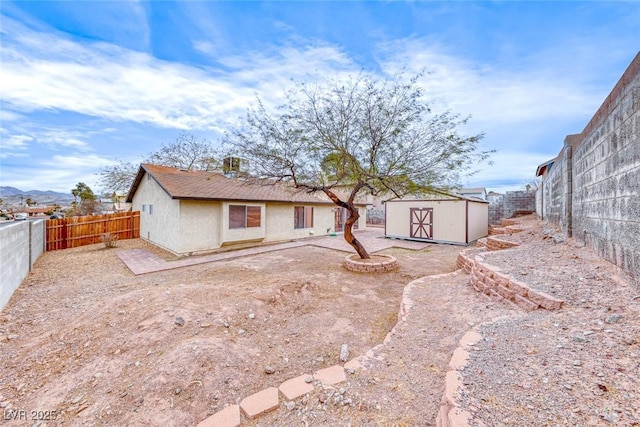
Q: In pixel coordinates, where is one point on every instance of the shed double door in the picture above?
(421, 223)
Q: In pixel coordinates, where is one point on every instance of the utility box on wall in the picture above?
(453, 220)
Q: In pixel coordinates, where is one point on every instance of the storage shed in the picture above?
(447, 219)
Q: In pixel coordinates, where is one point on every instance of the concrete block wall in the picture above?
(606, 179)
(21, 243)
(555, 191)
(512, 203)
(593, 190)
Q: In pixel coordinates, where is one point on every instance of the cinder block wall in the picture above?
(606, 177)
(38, 240)
(555, 191)
(21, 243)
(593, 190)
(512, 202)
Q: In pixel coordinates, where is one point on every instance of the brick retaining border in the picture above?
(450, 415)
(489, 280)
(355, 264)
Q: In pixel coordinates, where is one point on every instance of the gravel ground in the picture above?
(579, 366)
(70, 339)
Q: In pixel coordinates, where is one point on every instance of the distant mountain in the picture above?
(9, 191)
(12, 196)
(13, 191)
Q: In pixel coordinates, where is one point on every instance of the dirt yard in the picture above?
(85, 342)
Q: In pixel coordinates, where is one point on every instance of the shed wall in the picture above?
(478, 221)
(449, 219)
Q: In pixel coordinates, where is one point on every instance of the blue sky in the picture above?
(84, 84)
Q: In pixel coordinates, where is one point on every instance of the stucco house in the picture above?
(478, 193)
(189, 212)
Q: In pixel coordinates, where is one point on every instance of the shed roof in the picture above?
(208, 185)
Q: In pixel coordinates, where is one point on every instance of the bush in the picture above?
(109, 240)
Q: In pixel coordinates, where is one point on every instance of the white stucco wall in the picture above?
(280, 222)
(199, 226)
(162, 227)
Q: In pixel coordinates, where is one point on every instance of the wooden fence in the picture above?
(86, 230)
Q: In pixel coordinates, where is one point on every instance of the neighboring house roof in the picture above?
(480, 190)
(207, 185)
(545, 167)
(493, 193)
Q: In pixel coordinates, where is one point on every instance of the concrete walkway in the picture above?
(141, 261)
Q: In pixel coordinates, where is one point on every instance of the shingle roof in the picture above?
(206, 185)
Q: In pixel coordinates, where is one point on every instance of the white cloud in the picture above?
(491, 93)
(47, 72)
(15, 142)
(58, 173)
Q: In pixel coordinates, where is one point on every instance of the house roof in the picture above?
(472, 190)
(208, 185)
(545, 167)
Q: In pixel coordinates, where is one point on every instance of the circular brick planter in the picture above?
(377, 263)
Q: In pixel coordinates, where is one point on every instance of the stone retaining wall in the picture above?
(356, 264)
(495, 244)
(489, 280)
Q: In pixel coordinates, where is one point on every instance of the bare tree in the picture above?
(186, 152)
(373, 135)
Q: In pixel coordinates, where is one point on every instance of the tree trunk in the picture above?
(348, 234)
(353, 218)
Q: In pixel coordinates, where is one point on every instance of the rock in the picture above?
(225, 324)
(344, 353)
(137, 363)
(179, 321)
(251, 316)
(12, 336)
(269, 370)
(290, 405)
(178, 391)
(614, 318)
(241, 331)
(308, 379)
(559, 238)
